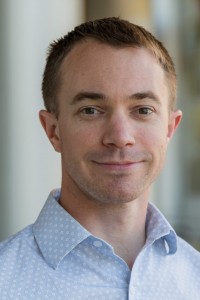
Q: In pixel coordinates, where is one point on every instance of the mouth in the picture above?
(117, 165)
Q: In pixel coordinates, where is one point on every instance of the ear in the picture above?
(174, 120)
(50, 125)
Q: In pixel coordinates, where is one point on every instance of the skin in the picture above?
(113, 129)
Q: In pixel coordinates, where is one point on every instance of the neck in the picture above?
(121, 225)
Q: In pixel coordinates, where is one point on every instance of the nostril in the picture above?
(118, 139)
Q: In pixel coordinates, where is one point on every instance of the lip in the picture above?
(117, 165)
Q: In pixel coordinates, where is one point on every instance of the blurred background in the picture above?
(29, 166)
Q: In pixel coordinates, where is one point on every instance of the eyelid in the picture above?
(144, 106)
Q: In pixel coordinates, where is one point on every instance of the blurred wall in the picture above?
(132, 10)
(29, 166)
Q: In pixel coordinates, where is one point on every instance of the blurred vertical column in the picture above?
(29, 167)
(132, 10)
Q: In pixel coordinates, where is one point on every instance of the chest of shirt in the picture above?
(90, 272)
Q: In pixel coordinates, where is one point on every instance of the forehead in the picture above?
(89, 50)
(95, 65)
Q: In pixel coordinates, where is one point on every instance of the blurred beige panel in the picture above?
(29, 167)
(133, 10)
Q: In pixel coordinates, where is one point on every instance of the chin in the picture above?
(114, 196)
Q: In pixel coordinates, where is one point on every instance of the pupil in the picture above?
(144, 111)
(90, 110)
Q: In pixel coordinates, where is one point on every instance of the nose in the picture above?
(119, 132)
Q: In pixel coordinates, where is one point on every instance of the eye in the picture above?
(89, 111)
(145, 110)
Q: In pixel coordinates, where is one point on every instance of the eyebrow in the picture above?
(145, 95)
(99, 96)
(87, 95)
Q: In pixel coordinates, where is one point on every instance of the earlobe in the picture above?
(50, 125)
(174, 121)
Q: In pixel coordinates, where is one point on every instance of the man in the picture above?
(109, 88)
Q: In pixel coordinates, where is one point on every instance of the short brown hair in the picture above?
(112, 31)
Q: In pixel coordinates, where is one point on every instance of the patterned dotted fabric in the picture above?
(57, 259)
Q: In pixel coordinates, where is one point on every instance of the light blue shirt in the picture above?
(57, 259)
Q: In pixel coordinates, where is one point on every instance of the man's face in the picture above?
(114, 122)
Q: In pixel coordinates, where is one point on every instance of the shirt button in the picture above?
(97, 243)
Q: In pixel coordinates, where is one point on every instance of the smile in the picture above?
(117, 166)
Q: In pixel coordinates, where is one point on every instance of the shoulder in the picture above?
(188, 254)
(22, 236)
(185, 267)
(15, 247)
(19, 257)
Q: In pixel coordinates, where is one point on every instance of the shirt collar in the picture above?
(158, 230)
(55, 226)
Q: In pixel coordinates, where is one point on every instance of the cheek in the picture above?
(155, 143)
(154, 139)
(76, 140)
